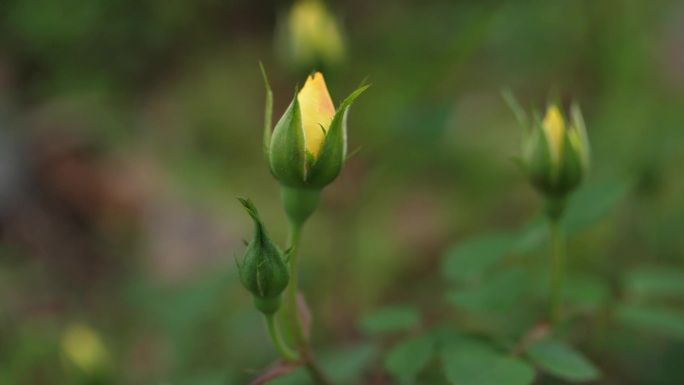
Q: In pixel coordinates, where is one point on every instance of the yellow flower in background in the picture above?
(557, 152)
(82, 346)
(317, 112)
(310, 36)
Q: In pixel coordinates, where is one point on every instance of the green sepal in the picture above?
(513, 104)
(579, 126)
(538, 162)
(571, 169)
(351, 154)
(268, 114)
(263, 270)
(287, 149)
(330, 160)
(288, 254)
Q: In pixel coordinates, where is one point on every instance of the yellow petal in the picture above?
(554, 128)
(317, 110)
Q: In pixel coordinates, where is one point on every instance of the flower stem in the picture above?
(291, 293)
(557, 270)
(277, 340)
(303, 344)
(299, 204)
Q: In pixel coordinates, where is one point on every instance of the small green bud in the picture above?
(264, 270)
(308, 147)
(556, 155)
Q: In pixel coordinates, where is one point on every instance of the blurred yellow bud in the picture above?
(82, 346)
(556, 155)
(310, 36)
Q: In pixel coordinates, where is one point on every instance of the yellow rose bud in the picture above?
(308, 147)
(557, 152)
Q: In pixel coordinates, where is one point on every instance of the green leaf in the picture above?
(585, 208)
(496, 295)
(665, 322)
(390, 320)
(586, 292)
(344, 365)
(408, 358)
(562, 361)
(479, 364)
(211, 378)
(592, 203)
(347, 364)
(448, 334)
(532, 236)
(655, 282)
(469, 260)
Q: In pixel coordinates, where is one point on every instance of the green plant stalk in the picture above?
(299, 205)
(291, 291)
(557, 270)
(278, 342)
(303, 344)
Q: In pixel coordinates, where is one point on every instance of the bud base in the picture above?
(268, 305)
(299, 204)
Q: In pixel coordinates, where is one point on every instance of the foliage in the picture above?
(126, 129)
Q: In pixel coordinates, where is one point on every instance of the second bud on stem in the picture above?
(264, 270)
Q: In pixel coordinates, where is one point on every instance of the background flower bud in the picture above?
(83, 348)
(556, 156)
(309, 36)
(263, 271)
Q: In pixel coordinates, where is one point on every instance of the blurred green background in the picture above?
(127, 129)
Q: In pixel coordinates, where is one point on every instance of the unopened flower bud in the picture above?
(556, 156)
(308, 146)
(264, 270)
(309, 36)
